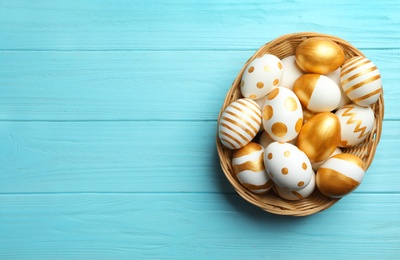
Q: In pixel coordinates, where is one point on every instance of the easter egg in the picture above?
(291, 72)
(319, 55)
(248, 166)
(265, 140)
(239, 123)
(356, 123)
(335, 76)
(361, 81)
(320, 136)
(282, 114)
(317, 92)
(287, 166)
(316, 165)
(298, 194)
(340, 175)
(260, 76)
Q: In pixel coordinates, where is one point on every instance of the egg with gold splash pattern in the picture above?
(248, 166)
(356, 123)
(361, 81)
(282, 115)
(319, 55)
(260, 76)
(239, 123)
(287, 166)
(340, 175)
(317, 92)
(296, 195)
(319, 136)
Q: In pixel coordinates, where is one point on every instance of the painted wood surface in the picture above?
(108, 116)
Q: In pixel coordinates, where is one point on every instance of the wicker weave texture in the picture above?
(282, 47)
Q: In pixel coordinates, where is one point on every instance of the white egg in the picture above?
(260, 76)
(282, 115)
(265, 140)
(317, 93)
(316, 165)
(248, 166)
(356, 122)
(361, 81)
(296, 195)
(335, 76)
(239, 123)
(287, 166)
(261, 102)
(291, 72)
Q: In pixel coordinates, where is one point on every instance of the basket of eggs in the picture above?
(300, 124)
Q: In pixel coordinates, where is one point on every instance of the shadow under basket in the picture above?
(282, 47)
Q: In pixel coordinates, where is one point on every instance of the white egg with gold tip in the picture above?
(335, 76)
(248, 166)
(260, 76)
(296, 195)
(291, 72)
(340, 175)
(282, 115)
(356, 123)
(287, 166)
(317, 92)
(239, 123)
(361, 81)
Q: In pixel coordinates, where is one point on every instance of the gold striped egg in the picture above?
(340, 175)
(248, 166)
(239, 123)
(287, 166)
(361, 81)
(319, 136)
(317, 92)
(356, 123)
(282, 114)
(260, 76)
(296, 195)
(319, 55)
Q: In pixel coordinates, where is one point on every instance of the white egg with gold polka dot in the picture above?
(248, 166)
(356, 122)
(282, 115)
(239, 123)
(287, 166)
(296, 195)
(260, 76)
(361, 81)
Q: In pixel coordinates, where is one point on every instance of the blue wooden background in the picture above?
(108, 114)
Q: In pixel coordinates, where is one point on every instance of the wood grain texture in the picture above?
(43, 157)
(179, 24)
(195, 226)
(108, 122)
(151, 85)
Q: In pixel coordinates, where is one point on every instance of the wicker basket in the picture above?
(282, 47)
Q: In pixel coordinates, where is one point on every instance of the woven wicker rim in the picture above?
(282, 47)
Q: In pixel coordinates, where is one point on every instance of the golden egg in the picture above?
(340, 175)
(320, 136)
(319, 55)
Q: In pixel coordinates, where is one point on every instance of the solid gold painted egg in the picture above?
(320, 136)
(319, 55)
(340, 175)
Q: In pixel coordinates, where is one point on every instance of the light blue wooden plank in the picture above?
(155, 24)
(156, 85)
(193, 226)
(139, 157)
